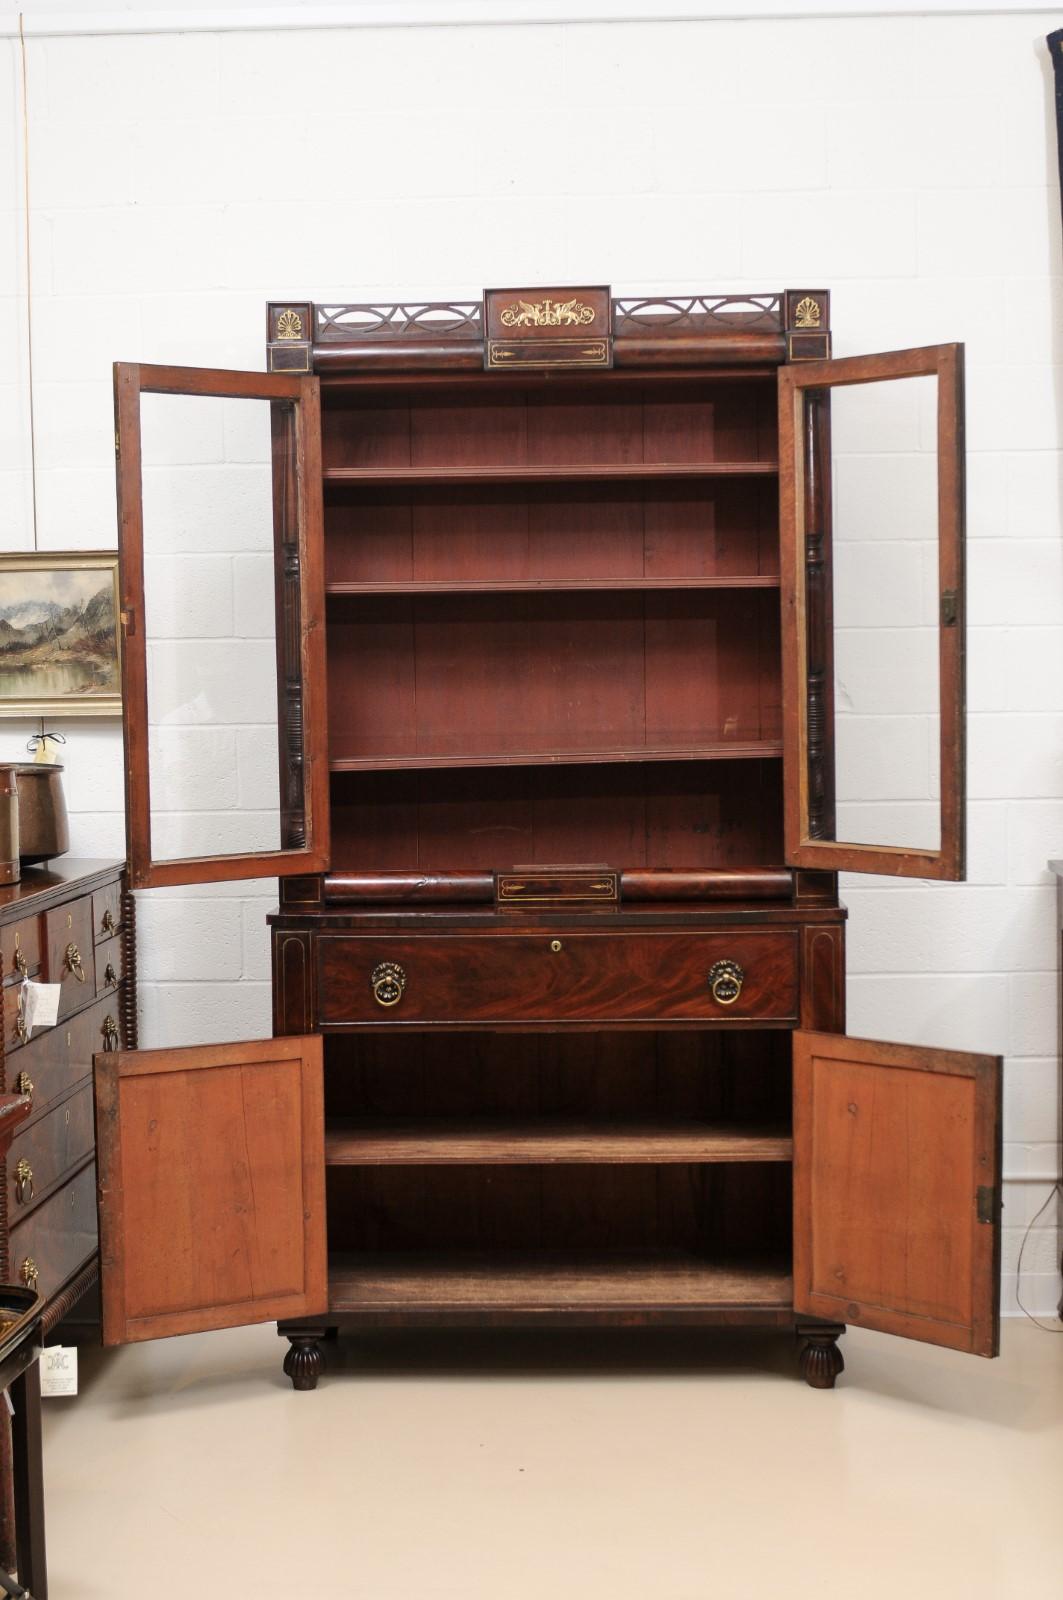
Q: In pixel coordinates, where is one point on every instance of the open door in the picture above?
(211, 1187)
(222, 623)
(873, 612)
(897, 1189)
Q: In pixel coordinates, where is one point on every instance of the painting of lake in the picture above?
(58, 635)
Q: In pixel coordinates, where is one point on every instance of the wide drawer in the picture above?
(562, 977)
(56, 1059)
(59, 1236)
(70, 949)
(50, 1146)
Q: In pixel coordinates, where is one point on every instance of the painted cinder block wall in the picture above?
(907, 163)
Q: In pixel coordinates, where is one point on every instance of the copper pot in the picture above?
(43, 828)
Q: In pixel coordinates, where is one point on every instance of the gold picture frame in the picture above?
(60, 639)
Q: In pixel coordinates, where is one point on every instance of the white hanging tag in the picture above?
(59, 1370)
(40, 1004)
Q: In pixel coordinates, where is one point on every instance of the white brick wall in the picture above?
(908, 163)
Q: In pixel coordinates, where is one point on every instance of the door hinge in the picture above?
(988, 1203)
(949, 608)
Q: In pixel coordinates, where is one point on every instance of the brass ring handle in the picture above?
(388, 982)
(23, 1182)
(24, 1084)
(107, 922)
(29, 1272)
(21, 964)
(110, 976)
(110, 1033)
(72, 959)
(725, 982)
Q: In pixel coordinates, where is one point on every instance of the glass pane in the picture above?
(886, 613)
(210, 625)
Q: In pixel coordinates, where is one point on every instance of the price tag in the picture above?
(59, 1370)
(40, 1004)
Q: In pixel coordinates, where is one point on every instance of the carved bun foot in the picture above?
(821, 1360)
(303, 1363)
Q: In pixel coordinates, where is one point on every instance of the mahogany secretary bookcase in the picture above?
(558, 969)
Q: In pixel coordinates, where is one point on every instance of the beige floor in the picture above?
(510, 1466)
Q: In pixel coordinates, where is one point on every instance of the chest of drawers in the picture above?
(71, 924)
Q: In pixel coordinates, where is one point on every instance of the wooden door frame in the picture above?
(945, 362)
(305, 725)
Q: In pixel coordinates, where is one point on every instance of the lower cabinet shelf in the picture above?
(635, 1286)
(438, 1143)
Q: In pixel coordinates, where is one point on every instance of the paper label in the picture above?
(59, 1370)
(40, 1004)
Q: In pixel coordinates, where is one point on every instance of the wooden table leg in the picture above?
(29, 1482)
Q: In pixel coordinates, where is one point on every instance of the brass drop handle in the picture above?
(72, 959)
(110, 1033)
(23, 1182)
(110, 976)
(29, 1272)
(24, 1084)
(389, 983)
(107, 922)
(725, 982)
(21, 1029)
(21, 964)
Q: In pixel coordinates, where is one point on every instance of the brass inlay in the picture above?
(547, 314)
(29, 1272)
(72, 959)
(807, 314)
(289, 325)
(388, 982)
(23, 1182)
(725, 981)
(24, 1084)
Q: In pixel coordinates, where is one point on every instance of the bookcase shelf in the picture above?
(733, 750)
(551, 586)
(617, 472)
(434, 1142)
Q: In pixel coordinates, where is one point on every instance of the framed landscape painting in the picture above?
(59, 637)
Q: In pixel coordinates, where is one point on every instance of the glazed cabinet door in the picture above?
(210, 1187)
(897, 1189)
(871, 502)
(222, 623)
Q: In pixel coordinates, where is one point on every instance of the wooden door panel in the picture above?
(896, 1188)
(211, 1187)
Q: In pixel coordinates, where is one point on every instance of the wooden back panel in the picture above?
(211, 1187)
(896, 1188)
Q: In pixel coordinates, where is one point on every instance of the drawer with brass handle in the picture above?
(58, 1236)
(56, 1059)
(107, 912)
(70, 953)
(20, 949)
(108, 965)
(654, 977)
(46, 1149)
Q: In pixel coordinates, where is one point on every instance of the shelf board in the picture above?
(568, 1283)
(438, 1143)
(550, 585)
(724, 750)
(614, 472)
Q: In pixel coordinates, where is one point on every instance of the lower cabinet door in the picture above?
(211, 1192)
(897, 1189)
